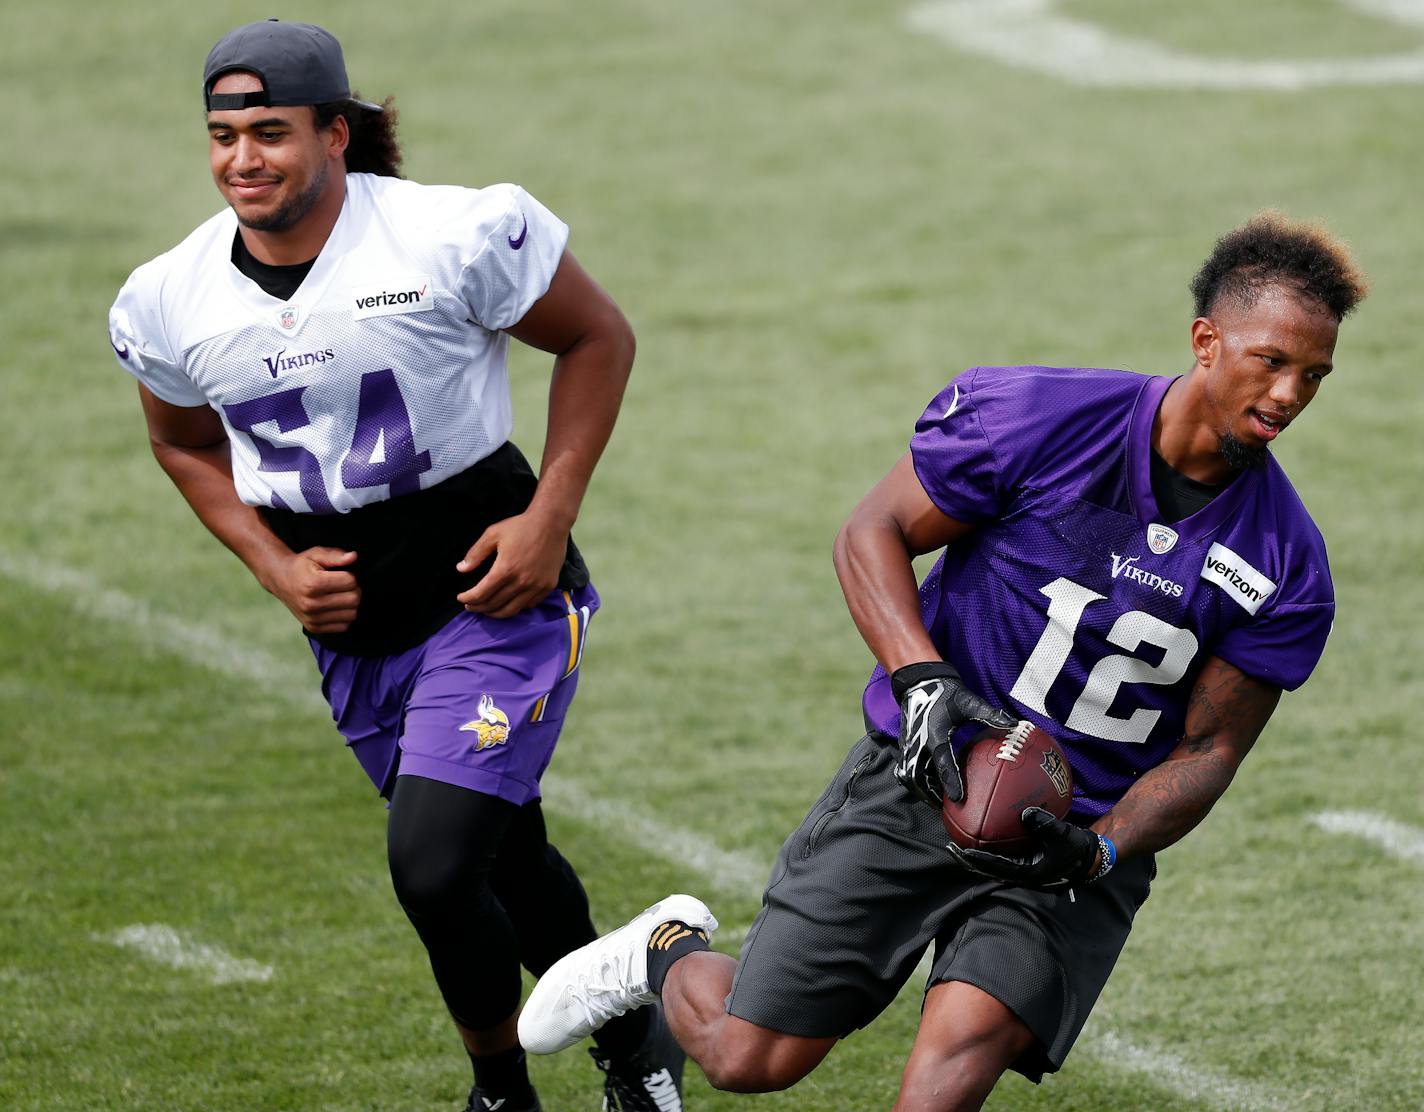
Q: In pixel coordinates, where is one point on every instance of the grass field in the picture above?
(813, 215)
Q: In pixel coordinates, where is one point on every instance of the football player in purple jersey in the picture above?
(322, 368)
(1125, 565)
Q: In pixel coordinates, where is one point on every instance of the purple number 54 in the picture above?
(382, 448)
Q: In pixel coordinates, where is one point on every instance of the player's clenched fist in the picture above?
(527, 558)
(316, 587)
(933, 702)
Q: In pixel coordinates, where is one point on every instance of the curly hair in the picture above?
(374, 148)
(1270, 250)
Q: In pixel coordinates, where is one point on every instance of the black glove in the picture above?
(932, 703)
(1067, 855)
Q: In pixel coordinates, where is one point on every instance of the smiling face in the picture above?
(273, 165)
(1259, 368)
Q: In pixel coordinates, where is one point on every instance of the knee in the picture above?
(432, 886)
(748, 1076)
(947, 1085)
(959, 1075)
(745, 1067)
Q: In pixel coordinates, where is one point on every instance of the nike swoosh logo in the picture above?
(121, 352)
(953, 402)
(516, 244)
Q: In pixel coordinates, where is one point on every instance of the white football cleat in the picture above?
(584, 989)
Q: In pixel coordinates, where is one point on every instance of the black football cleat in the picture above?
(651, 1079)
(482, 1101)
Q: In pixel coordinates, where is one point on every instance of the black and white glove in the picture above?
(1066, 856)
(933, 702)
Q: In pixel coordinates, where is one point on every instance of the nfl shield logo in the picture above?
(1056, 770)
(287, 318)
(1160, 539)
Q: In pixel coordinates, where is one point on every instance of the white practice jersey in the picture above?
(386, 371)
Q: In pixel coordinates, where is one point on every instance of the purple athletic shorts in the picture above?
(479, 704)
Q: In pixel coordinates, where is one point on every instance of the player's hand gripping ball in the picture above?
(1006, 772)
(933, 703)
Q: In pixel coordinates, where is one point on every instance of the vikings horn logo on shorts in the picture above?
(491, 727)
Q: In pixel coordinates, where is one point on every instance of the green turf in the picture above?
(813, 216)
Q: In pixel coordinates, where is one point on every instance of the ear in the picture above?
(1206, 340)
(338, 137)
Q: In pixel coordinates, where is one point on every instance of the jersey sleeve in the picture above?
(1283, 650)
(514, 260)
(953, 456)
(1284, 643)
(137, 336)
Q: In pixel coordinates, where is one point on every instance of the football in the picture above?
(1004, 772)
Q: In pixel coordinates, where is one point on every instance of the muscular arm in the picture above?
(593, 346)
(1226, 714)
(191, 446)
(894, 523)
(1227, 710)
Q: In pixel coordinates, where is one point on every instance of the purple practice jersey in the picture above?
(1072, 604)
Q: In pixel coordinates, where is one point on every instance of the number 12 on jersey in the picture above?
(1066, 603)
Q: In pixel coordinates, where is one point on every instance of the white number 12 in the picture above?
(1066, 602)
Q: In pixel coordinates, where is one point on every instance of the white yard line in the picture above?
(167, 946)
(210, 648)
(191, 640)
(1029, 34)
(1177, 1076)
(728, 870)
(1396, 838)
(1409, 13)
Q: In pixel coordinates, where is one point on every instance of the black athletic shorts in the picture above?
(864, 885)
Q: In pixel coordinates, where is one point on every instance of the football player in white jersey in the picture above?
(322, 369)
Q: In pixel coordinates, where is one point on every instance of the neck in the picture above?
(1182, 433)
(305, 239)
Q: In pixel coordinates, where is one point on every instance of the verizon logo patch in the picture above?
(1237, 578)
(410, 294)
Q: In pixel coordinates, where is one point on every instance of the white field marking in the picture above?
(1410, 13)
(201, 644)
(1175, 1075)
(1396, 838)
(1027, 33)
(168, 947)
(727, 870)
(208, 647)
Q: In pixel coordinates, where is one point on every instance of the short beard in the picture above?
(291, 213)
(1241, 457)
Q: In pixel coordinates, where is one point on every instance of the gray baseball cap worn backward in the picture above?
(297, 63)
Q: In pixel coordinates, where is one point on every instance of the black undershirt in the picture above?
(1177, 495)
(276, 281)
(407, 547)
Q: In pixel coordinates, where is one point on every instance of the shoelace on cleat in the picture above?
(604, 994)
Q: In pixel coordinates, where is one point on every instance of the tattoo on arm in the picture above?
(1226, 713)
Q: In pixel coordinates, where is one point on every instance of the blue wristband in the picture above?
(1107, 853)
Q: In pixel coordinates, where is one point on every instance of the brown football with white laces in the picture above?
(1006, 771)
